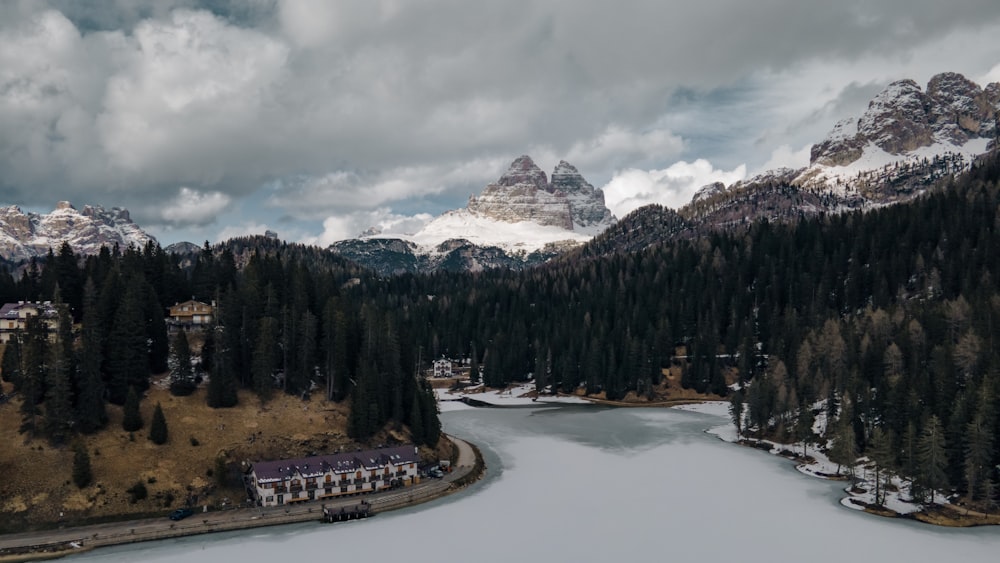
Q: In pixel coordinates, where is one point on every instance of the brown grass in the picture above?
(37, 477)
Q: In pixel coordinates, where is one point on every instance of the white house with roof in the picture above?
(274, 483)
(14, 316)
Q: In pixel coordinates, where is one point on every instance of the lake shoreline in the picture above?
(29, 547)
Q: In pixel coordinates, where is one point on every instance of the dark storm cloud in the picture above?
(345, 107)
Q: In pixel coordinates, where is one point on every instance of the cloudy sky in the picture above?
(318, 119)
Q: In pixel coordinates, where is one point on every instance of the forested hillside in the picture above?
(288, 319)
(889, 316)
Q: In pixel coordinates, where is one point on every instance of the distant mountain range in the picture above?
(906, 140)
(24, 235)
(523, 218)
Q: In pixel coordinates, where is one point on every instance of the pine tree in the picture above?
(845, 448)
(158, 427)
(128, 363)
(736, 411)
(182, 380)
(132, 418)
(59, 416)
(34, 371)
(82, 474)
(11, 366)
(880, 452)
(417, 420)
(91, 411)
(474, 366)
(265, 357)
(932, 457)
(979, 454)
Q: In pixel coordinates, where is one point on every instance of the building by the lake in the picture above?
(287, 481)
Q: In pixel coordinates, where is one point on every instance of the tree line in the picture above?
(885, 318)
(283, 323)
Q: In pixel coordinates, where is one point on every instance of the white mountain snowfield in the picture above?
(838, 179)
(513, 238)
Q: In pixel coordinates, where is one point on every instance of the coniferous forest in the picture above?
(282, 326)
(887, 319)
(884, 320)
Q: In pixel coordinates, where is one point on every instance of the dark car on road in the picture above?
(181, 513)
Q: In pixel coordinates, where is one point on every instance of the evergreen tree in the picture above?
(59, 416)
(845, 449)
(182, 380)
(34, 371)
(265, 357)
(91, 411)
(11, 366)
(82, 474)
(880, 452)
(132, 418)
(158, 427)
(736, 411)
(474, 366)
(979, 454)
(932, 457)
(128, 362)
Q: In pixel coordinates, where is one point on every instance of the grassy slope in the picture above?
(37, 477)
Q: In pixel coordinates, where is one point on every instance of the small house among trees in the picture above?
(14, 317)
(190, 315)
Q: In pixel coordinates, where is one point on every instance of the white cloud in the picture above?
(672, 187)
(192, 207)
(341, 227)
(242, 229)
(785, 157)
(992, 76)
(358, 104)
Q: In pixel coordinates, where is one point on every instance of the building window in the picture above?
(269, 498)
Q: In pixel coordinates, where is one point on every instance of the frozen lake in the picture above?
(591, 484)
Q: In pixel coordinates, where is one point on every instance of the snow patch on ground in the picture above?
(515, 396)
(897, 499)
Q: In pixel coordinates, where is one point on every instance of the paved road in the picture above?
(121, 532)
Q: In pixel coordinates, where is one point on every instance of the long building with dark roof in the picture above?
(326, 476)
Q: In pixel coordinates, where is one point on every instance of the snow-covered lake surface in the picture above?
(583, 483)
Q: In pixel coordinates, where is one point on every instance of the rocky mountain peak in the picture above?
(587, 206)
(708, 191)
(24, 235)
(903, 118)
(523, 171)
(524, 193)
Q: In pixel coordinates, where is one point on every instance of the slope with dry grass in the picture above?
(37, 488)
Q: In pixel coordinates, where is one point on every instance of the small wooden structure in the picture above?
(361, 510)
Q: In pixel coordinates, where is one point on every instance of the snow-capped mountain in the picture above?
(522, 218)
(907, 139)
(23, 235)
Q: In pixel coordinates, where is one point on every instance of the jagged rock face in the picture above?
(524, 171)
(707, 191)
(897, 120)
(24, 235)
(586, 202)
(960, 110)
(902, 118)
(842, 146)
(523, 202)
(523, 193)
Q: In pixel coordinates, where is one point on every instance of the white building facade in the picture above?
(275, 483)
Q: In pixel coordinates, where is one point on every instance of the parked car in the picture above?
(181, 513)
(436, 473)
